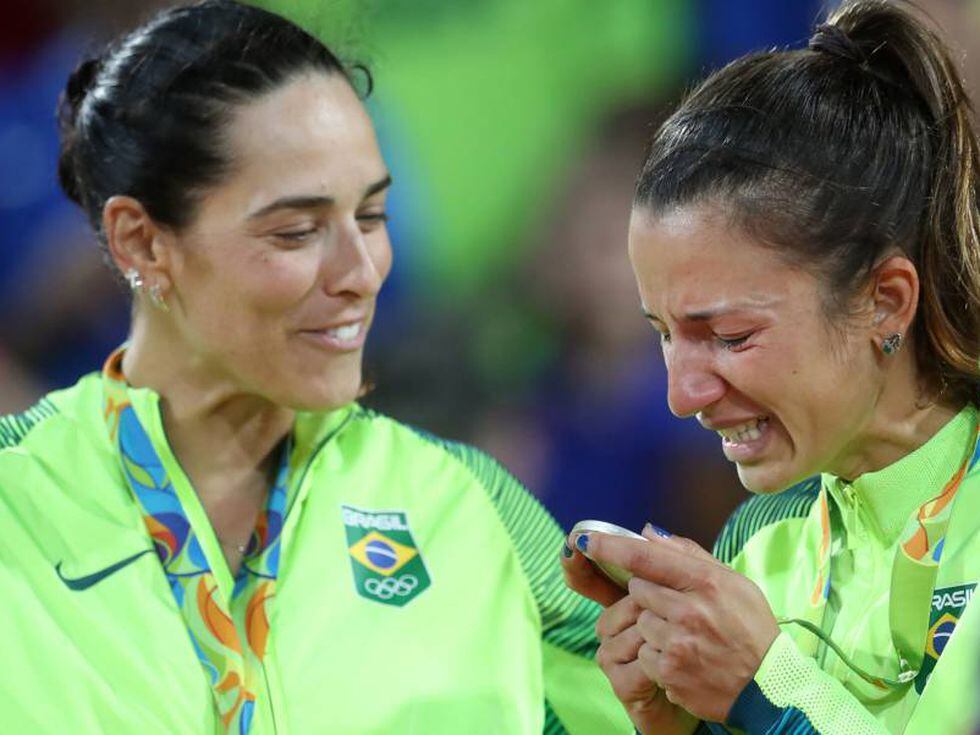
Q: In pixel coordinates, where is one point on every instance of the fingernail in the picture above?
(582, 542)
(657, 530)
(566, 550)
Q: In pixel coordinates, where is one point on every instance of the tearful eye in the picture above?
(659, 327)
(732, 343)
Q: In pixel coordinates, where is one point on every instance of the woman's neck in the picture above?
(904, 418)
(214, 428)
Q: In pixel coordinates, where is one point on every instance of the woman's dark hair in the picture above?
(838, 155)
(146, 118)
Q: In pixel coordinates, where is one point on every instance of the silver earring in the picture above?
(156, 298)
(134, 279)
(892, 343)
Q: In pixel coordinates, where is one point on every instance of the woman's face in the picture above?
(749, 350)
(273, 285)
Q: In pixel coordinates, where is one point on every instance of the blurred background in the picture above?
(514, 130)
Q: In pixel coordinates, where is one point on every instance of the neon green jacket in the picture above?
(481, 637)
(775, 540)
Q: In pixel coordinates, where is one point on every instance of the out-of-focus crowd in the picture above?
(514, 131)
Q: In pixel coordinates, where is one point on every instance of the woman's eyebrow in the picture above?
(377, 186)
(707, 314)
(752, 302)
(292, 202)
(303, 201)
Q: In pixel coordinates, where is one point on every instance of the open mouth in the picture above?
(343, 338)
(744, 433)
(345, 333)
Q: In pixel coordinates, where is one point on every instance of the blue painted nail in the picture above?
(566, 550)
(659, 531)
(582, 542)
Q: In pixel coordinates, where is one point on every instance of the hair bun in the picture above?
(79, 85)
(830, 39)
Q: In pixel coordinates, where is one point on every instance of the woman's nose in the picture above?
(692, 385)
(355, 266)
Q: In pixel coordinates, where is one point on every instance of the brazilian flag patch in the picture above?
(385, 561)
(948, 605)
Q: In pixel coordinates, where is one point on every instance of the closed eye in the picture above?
(297, 236)
(662, 333)
(733, 343)
(372, 220)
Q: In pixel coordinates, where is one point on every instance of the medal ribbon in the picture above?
(232, 662)
(913, 579)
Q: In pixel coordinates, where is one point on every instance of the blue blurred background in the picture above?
(514, 130)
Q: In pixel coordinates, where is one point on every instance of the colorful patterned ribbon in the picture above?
(913, 578)
(215, 625)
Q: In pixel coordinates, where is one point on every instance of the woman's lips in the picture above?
(745, 441)
(343, 338)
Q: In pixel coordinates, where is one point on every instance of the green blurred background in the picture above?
(514, 130)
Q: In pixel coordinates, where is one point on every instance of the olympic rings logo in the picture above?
(385, 589)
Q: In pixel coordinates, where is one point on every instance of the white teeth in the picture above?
(749, 431)
(346, 333)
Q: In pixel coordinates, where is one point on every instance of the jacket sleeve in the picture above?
(578, 698)
(791, 694)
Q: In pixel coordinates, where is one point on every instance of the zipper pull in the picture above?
(857, 521)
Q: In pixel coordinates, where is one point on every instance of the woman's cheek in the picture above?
(284, 279)
(383, 256)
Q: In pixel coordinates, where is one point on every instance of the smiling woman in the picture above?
(274, 277)
(806, 240)
(211, 536)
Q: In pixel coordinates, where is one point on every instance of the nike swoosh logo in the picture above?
(83, 583)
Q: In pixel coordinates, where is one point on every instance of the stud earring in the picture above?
(892, 343)
(134, 279)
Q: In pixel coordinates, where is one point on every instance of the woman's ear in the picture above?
(136, 243)
(895, 291)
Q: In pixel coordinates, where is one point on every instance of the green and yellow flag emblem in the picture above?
(385, 561)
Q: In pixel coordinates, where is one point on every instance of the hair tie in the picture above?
(830, 39)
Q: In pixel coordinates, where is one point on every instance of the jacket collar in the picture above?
(884, 500)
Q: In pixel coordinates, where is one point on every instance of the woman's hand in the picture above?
(705, 628)
(582, 576)
(620, 641)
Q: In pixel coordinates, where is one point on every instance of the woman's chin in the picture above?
(326, 396)
(764, 478)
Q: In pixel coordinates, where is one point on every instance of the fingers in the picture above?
(663, 562)
(588, 581)
(667, 603)
(620, 649)
(663, 670)
(653, 532)
(653, 630)
(630, 683)
(684, 544)
(617, 618)
(651, 663)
